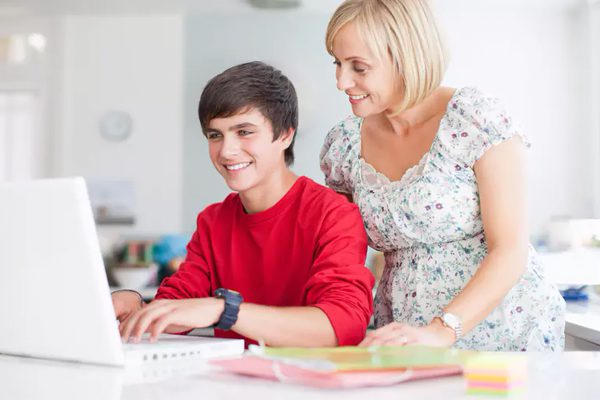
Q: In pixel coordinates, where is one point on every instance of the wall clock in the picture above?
(116, 125)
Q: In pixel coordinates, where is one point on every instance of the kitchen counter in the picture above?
(583, 324)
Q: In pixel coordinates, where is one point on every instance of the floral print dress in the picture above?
(428, 225)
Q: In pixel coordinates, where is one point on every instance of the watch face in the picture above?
(231, 296)
(116, 125)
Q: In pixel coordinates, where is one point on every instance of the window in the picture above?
(17, 128)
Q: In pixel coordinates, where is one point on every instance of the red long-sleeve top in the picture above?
(307, 250)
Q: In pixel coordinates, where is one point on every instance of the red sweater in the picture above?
(307, 250)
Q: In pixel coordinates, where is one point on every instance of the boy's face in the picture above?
(242, 149)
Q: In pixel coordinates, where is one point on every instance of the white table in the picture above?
(574, 375)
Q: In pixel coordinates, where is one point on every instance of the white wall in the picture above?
(292, 42)
(132, 64)
(534, 57)
(593, 26)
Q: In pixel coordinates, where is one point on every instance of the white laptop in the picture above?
(54, 296)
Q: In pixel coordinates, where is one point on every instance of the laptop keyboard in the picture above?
(170, 347)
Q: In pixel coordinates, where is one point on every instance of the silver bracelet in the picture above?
(132, 291)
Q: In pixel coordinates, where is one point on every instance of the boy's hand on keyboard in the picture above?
(171, 316)
(126, 303)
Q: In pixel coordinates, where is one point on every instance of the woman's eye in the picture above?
(337, 63)
(359, 68)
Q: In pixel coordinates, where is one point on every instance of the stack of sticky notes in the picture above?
(498, 374)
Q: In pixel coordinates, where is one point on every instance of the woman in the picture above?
(438, 174)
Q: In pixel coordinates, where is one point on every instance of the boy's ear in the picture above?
(287, 136)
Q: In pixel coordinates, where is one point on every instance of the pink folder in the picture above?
(280, 370)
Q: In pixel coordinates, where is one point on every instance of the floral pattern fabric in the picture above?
(428, 225)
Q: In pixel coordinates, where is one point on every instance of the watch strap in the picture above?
(233, 300)
(453, 322)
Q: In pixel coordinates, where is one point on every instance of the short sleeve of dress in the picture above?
(337, 154)
(480, 122)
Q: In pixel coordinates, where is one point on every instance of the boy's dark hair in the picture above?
(252, 85)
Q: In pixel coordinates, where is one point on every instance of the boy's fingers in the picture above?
(130, 323)
(148, 317)
(159, 326)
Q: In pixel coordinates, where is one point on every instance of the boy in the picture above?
(281, 260)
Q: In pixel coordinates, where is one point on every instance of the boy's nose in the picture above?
(230, 147)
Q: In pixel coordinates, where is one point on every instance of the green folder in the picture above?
(376, 358)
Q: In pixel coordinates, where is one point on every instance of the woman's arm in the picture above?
(502, 185)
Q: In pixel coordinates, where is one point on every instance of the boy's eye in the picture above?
(213, 135)
(244, 133)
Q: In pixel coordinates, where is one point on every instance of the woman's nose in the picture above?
(344, 80)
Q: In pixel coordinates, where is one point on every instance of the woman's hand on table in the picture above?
(395, 334)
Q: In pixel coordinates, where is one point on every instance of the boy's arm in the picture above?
(338, 293)
(276, 326)
(285, 326)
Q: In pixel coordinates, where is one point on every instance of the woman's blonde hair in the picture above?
(404, 30)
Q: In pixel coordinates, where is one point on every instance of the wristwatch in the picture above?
(453, 322)
(232, 307)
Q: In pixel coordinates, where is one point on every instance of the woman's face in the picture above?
(370, 83)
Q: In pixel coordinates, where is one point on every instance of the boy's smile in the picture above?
(237, 167)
